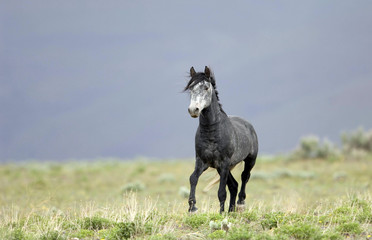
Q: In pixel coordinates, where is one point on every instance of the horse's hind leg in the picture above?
(232, 184)
(246, 174)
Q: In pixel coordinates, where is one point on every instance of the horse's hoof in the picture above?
(240, 207)
(241, 202)
(193, 210)
(232, 209)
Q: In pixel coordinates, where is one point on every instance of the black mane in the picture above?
(199, 77)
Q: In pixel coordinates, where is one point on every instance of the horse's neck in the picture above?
(211, 116)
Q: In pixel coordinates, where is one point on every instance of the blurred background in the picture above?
(89, 79)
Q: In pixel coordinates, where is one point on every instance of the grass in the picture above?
(106, 199)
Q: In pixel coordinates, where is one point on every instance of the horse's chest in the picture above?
(211, 153)
(214, 146)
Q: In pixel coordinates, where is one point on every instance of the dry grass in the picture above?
(86, 200)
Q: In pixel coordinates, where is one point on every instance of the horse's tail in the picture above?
(215, 180)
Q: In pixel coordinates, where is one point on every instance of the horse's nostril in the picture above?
(193, 110)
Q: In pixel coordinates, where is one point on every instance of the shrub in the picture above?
(250, 216)
(69, 225)
(311, 147)
(133, 187)
(343, 210)
(300, 231)
(104, 233)
(259, 175)
(196, 220)
(16, 234)
(364, 217)
(343, 214)
(264, 236)
(352, 227)
(83, 233)
(215, 216)
(218, 234)
(140, 169)
(95, 223)
(52, 235)
(242, 233)
(359, 203)
(184, 192)
(166, 178)
(123, 230)
(340, 176)
(271, 220)
(146, 228)
(167, 236)
(332, 236)
(365, 211)
(162, 218)
(357, 140)
(214, 225)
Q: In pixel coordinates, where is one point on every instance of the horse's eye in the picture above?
(206, 88)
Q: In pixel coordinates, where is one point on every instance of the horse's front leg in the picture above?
(224, 173)
(200, 167)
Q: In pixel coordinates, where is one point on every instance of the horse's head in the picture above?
(201, 91)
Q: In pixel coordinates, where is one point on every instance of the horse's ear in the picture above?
(207, 72)
(192, 72)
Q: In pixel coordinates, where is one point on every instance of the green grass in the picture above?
(110, 199)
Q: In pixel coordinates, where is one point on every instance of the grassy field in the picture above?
(139, 199)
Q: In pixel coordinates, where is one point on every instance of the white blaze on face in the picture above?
(201, 97)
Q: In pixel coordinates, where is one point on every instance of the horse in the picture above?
(221, 141)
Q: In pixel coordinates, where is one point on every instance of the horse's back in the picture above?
(246, 138)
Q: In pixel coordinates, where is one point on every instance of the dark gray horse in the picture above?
(221, 141)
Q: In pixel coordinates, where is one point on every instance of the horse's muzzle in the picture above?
(194, 112)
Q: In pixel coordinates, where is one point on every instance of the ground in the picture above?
(141, 199)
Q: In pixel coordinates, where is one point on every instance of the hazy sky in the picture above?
(86, 79)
